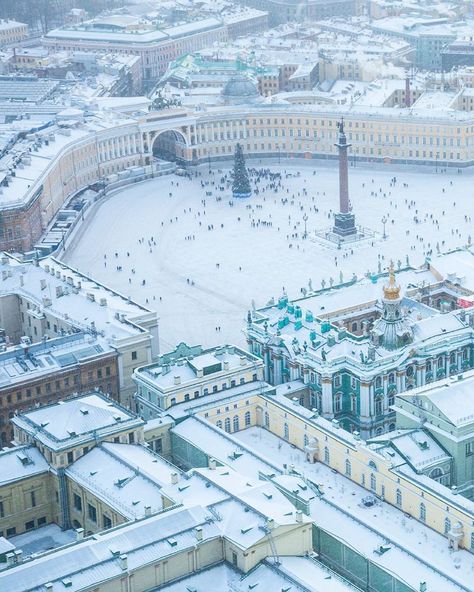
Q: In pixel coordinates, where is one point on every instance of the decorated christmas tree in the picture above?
(241, 183)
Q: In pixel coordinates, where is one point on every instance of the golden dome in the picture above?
(391, 291)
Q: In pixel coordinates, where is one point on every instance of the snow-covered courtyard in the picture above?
(183, 247)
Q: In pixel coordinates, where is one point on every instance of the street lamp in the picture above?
(384, 221)
(436, 160)
(209, 162)
(305, 218)
(279, 153)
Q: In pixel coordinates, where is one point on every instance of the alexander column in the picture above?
(344, 221)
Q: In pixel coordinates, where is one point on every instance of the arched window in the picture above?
(422, 512)
(219, 423)
(305, 440)
(440, 362)
(378, 382)
(410, 371)
(227, 424)
(286, 432)
(373, 482)
(447, 525)
(372, 465)
(472, 541)
(391, 400)
(337, 402)
(452, 358)
(348, 468)
(247, 419)
(354, 403)
(354, 327)
(399, 498)
(267, 420)
(436, 473)
(326, 455)
(391, 378)
(428, 366)
(391, 427)
(235, 423)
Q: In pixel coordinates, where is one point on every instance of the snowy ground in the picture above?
(399, 528)
(251, 251)
(43, 539)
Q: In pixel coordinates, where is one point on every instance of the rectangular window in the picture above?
(106, 521)
(92, 512)
(11, 531)
(41, 521)
(134, 355)
(469, 448)
(29, 525)
(2, 510)
(33, 499)
(77, 502)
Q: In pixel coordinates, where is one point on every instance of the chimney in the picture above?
(18, 555)
(212, 464)
(22, 280)
(147, 510)
(43, 284)
(243, 361)
(198, 532)
(226, 365)
(79, 534)
(10, 558)
(270, 523)
(177, 379)
(174, 478)
(48, 586)
(123, 562)
(299, 516)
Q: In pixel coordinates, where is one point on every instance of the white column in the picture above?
(326, 384)
(364, 399)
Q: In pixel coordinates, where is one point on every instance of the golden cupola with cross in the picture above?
(392, 329)
(391, 291)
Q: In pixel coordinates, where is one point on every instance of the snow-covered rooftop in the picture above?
(450, 398)
(114, 473)
(63, 423)
(21, 462)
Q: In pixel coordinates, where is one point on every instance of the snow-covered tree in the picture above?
(241, 182)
